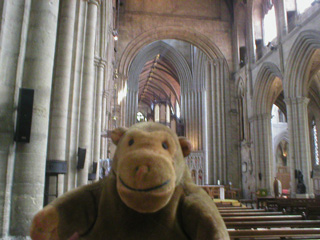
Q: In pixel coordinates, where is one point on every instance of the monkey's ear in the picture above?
(117, 133)
(185, 146)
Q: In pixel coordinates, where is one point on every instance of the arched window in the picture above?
(140, 117)
(270, 26)
(168, 113)
(157, 113)
(177, 110)
(241, 117)
(282, 117)
(315, 142)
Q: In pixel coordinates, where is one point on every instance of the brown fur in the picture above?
(148, 195)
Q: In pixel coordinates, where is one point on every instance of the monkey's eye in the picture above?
(131, 142)
(165, 145)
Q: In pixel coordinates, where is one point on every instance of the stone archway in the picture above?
(296, 88)
(147, 53)
(266, 90)
(204, 97)
(168, 32)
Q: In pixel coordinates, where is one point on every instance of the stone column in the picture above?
(281, 17)
(187, 114)
(30, 162)
(104, 124)
(196, 122)
(216, 148)
(250, 43)
(87, 91)
(201, 117)
(299, 142)
(235, 42)
(98, 113)
(220, 137)
(261, 126)
(75, 94)
(282, 28)
(14, 20)
(250, 39)
(123, 113)
(210, 152)
(57, 145)
(204, 133)
(131, 106)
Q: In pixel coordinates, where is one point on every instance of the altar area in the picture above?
(215, 191)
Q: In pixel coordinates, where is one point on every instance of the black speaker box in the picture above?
(24, 115)
(93, 175)
(81, 157)
(94, 167)
(54, 167)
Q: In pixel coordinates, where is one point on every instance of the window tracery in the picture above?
(315, 142)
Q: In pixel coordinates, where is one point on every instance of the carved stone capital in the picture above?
(96, 2)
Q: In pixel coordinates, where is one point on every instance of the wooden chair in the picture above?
(215, 192)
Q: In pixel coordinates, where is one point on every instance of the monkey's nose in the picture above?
(141, 171)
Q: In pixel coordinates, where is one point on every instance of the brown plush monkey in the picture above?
(148, 195)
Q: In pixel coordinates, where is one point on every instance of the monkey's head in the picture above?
(149, 163)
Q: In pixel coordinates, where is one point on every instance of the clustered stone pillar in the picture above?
(29, 174)
(132, 107)
(211, 165)
(87, 91)
(282, 28)
(57, 145)
(281, 14)
(263, 150)
(299, 142)
(99, 95)
(13, 24)
(216, 146)
(104, 125)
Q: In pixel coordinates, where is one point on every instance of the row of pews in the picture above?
(248, 223)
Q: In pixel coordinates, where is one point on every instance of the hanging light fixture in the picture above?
(115, 35)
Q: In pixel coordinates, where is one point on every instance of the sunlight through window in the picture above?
(177, 109)
(270, 26)
(140, 117)
(315, 143)
(302, 5)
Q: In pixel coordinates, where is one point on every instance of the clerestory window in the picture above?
(315, 142)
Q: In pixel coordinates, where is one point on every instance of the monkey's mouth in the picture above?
(145, 189)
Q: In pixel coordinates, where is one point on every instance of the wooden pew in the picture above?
(246, 223)
(310, 206)
(263, 218)
(231, 208)
(241, 210)
(224, 204)
(302, 232)
(236, 214)
(274, 224)
(248, 202)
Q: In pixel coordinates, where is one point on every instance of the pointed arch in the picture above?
(241, 87)
(262, 101)
(166, 51)
(282, 136)
(264, 95)
(298, 64)
(168, 32)
(210, 98)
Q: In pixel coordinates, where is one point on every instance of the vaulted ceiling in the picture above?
(158, 81)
